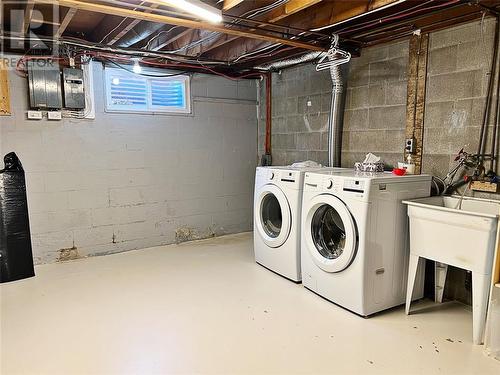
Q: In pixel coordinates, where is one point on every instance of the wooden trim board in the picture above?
(5, 109)
(415, 102)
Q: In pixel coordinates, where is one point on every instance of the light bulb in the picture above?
(137, 68)
(115, 81)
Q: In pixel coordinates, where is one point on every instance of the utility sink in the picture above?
(460, 232)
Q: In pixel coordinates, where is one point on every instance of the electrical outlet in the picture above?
(35, 115)
(410, 146)
(54, 116)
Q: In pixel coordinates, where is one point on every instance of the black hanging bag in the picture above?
(16, 258)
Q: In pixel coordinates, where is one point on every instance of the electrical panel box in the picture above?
(74, 92)
(44, 81)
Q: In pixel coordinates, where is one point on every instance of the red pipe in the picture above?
(268, 113)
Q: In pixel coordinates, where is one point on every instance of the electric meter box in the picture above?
(74, 92)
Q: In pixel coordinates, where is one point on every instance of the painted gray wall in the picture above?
(129, 181)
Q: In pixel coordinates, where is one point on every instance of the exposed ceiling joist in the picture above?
(331, 12)
(229, 4)
(291, 7)
(99, 8)
(28, 13)
(286, 10)
(65, 22)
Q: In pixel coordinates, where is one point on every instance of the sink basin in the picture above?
(460, 232)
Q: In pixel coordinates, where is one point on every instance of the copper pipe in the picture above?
(268, 112)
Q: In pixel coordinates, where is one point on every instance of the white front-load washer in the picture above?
(277, 209)
(354, 247)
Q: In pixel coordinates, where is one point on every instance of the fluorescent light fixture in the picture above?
(137, 68)
(197, 8)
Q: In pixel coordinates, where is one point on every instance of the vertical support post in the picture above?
(415, 103)
(4, 90)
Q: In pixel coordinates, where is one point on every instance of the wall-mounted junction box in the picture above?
(74, 94)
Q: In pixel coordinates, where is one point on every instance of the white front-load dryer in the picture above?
(277, 209)
(354, 247)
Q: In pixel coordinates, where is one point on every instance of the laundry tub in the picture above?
(460, 232)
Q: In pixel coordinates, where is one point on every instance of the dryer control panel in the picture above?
(281, 177)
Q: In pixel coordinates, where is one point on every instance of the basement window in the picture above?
(130, 92)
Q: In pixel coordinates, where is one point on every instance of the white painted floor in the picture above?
(206, 307)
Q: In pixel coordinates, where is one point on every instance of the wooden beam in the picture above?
(4, 90)
(291, 7)
(28, 13)
(229, 4)
(65, 22)
(331, 12)
(99, 8)
(415, 102)
(286, 10)
(316, 15)
(37, 21)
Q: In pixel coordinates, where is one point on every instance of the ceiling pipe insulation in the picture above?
(140, 32)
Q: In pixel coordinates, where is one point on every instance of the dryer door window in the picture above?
(330, 233)
(272, 215)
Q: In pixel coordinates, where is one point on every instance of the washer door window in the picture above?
(331, 233)
(273, 218)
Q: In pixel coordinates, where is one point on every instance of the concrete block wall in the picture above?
(374, 117)
(457, 80)
(129, 181)
(375, 111)
(300, 105)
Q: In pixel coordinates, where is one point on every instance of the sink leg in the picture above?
(480, 292)
(412, 275)
(440, 271)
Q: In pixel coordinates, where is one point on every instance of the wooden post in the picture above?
(4, 90)
(415, 103)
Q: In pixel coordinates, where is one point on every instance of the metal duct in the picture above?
(336, 116)
(140, 32)
(335, 120)
(293, 61)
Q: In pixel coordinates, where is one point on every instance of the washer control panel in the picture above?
(355, 186)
